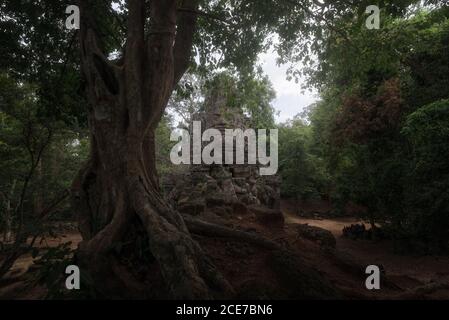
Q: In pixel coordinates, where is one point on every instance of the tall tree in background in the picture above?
(370, 90)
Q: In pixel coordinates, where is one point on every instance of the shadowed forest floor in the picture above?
(407, 271)
(245, 266)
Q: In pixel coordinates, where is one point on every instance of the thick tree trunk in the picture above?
(119, 185)
(117, 195)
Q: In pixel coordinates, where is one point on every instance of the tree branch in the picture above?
(159, 65)
(187, 19)
(203, 14)
(91, 48)
(135, 32)
(54, 204)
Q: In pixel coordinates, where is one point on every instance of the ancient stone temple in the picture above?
(223, 190)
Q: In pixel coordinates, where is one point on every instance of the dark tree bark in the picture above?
(116, 194)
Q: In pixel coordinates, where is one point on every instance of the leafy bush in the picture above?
(427, 197)
(51, 264)
(303, 172)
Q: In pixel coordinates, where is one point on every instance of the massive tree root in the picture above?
(422, 292)
(190, 271)
(186, 269)
(200, 227)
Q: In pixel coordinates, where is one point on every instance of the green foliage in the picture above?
(37, 49)
(164, 146)
(252, 94)
(236, 31)
(36, 155)
(51, 267)
(51, 264)
(382, 149)
(43, 137)
(303, 172)
(369, 140)
(427, 200)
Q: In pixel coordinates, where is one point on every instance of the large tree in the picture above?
(117, 192)
(132, 58)
(119, 183)
(116, 195)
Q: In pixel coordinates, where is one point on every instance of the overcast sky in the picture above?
(289, 99)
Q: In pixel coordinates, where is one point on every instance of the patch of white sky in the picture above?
(290, 98)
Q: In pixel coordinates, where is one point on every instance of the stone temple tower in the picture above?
(220, 188)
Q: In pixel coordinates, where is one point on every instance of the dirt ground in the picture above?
(407, 271)
(245, 265)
